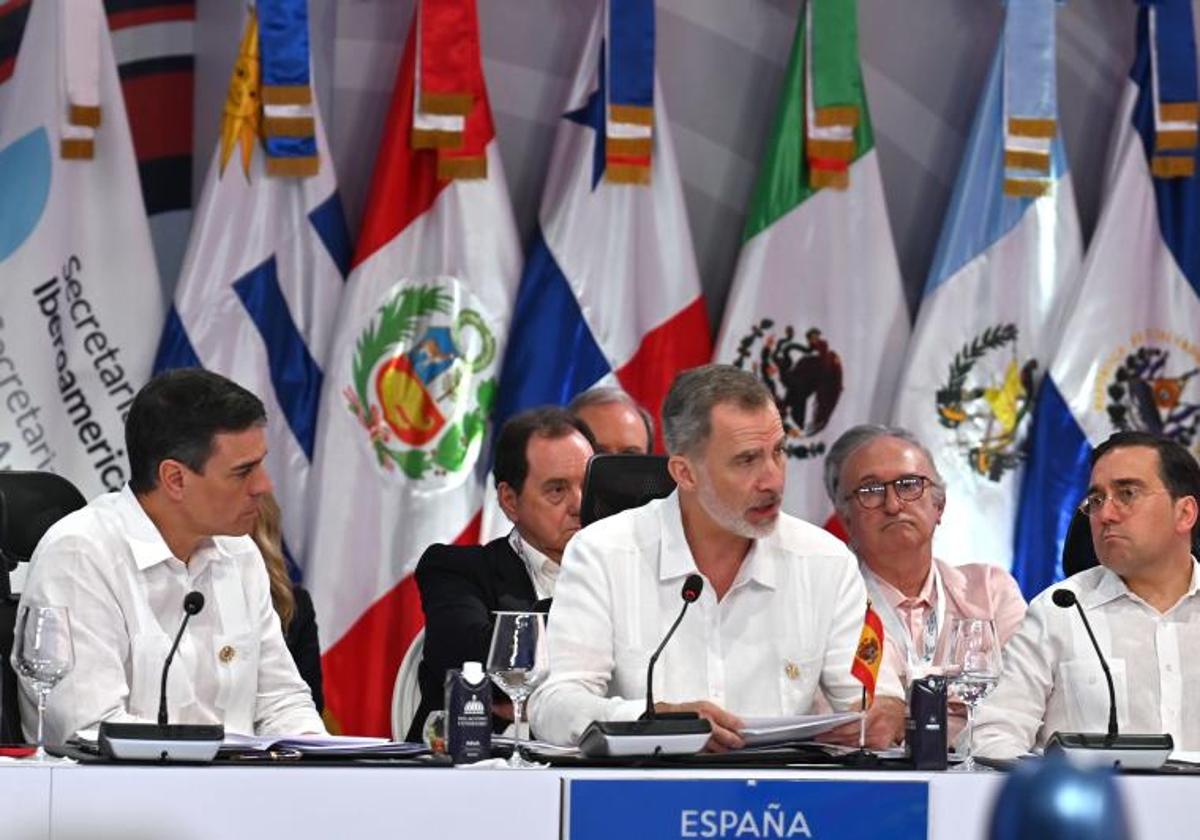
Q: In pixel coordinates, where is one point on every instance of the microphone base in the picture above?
(1126, 752)
(674, 735)
(151, 742)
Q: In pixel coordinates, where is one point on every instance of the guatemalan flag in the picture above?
(413, 373)
(81, 306)
(1131, 345)
(1007, 262)
(610, 288)
(264, 271)
(817, 308)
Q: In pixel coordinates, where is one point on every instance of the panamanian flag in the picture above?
(264, 271)
(817, 308)
(412, 376)
(610, 288)
(1131, 345)
(1007, 261)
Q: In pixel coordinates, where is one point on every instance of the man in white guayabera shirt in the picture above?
(123, 564)
(782, 606)
(1142, 604)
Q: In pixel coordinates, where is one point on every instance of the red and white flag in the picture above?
(411, 377)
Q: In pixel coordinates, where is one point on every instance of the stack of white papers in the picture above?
(762, 732)
(318, 744)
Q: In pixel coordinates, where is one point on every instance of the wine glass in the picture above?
(43, 654)
(517, 663)
(971, 663)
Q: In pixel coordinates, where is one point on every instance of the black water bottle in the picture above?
(925, 729)
(468, 714)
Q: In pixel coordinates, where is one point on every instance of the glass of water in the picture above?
(517, 663)
(43, 654)
(971, 663)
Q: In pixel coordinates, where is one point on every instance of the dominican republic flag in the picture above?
(82, 304)
(265, 269)
(1007, 261)
(413, 371)
(153, 45)
(817, 308)
(1130, 349)
(610, 291)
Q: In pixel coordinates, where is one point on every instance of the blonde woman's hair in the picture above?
(268, 535)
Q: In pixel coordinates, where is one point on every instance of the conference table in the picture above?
(304, 800)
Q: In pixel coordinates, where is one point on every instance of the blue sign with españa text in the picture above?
(745, 808)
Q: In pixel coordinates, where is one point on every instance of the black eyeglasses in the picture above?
(908, 488)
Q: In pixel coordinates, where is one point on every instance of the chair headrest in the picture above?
(619, 482)
(30, 502)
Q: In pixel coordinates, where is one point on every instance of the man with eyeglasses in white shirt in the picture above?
(1142, 604)
(889, 495)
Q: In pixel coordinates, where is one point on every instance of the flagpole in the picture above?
(862, 722)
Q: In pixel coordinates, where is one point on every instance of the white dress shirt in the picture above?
(1052, 679)
(543, 572)
(788, 625)
(110, 567)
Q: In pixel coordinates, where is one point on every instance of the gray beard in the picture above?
(728, 518)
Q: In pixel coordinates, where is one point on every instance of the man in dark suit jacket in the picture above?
(540, 461)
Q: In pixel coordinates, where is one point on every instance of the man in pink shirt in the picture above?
(889, 496)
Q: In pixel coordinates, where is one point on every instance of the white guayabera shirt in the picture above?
(787, 628)
(109, 566)
(1053, 682)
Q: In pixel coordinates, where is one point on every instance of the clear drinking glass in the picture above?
(43, 654)
(517, 663)
(971, 663)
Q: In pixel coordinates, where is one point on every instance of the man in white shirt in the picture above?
(540, 461)
(619, 425)
(123, 564)
(782, 605)
(1142, 604)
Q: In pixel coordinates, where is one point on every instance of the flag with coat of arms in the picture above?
(412, 374)
(265, 267)
(817, 308)
(610, 292)
(82, 302)
(1130, 352)
(1007, 264)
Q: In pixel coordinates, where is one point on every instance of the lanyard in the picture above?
(897, 629)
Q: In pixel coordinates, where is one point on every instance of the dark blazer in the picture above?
(461, 586)
(302, 641)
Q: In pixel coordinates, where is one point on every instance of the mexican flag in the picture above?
(817, 308)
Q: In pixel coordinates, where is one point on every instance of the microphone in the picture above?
(692, 587)
(1112, 748)
(669, 733)
(164, 741)
(193, 602)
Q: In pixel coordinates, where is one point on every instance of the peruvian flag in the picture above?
(610, 289)
(817, 308)
(412, 373)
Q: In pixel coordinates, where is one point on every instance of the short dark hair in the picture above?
(511, 462)
(176, 416)
(608, 395)
(1177, 468)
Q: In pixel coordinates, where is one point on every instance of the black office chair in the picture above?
(614, 483)
(30, 502)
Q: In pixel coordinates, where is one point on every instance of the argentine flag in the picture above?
(610, 287)
(1131, 345)
(261, 283)
(1004, 267)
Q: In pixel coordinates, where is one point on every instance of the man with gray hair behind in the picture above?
(779, 616)
(619, 425)
(888, 493)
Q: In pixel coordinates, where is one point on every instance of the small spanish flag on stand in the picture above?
(867, 658)
(868, 654)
